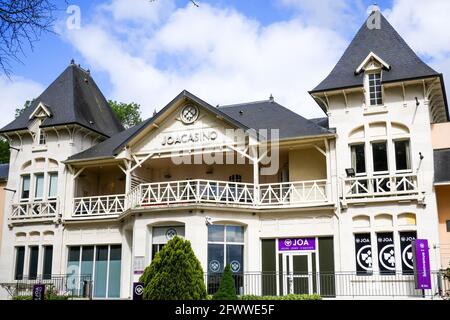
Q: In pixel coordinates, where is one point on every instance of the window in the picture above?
(386, 252)
(402, 155)
(25, 187)
(33, 264)
(53, 185)
(358, 158)
(39, 186)
(101, 263)
(47, 264)
(406, 251)
(20, 260)
(448, 225)
(235, 178)
(375, 90)
(363, 254)
(42, 138)
(380, 159)
(225, 246)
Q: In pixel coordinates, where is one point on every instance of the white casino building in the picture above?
(86, 197)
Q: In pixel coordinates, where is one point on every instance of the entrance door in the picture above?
(298, 273)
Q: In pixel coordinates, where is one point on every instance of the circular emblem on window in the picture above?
(170, 233)
(235, 266)
(364, 258)
(189, 114)
(407, 257)
(214, 265)
(387, 257)
(139, 290)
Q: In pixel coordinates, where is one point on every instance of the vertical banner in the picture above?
(138, 290)
(38, 291)
(406, 247)
(386, 252)
(422, 264)
(363, 254)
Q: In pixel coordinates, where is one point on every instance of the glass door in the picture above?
(298, 275)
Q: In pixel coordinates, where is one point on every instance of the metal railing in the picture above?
(401, 185)
(332, 285)
(70, 286)
(38, 209)
(302, 193)
(99, 206)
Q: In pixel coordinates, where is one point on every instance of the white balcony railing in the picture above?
(380, 187)
(293, 194)
(99, 206)
(35, 210)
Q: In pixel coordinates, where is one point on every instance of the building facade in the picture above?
(326, 206)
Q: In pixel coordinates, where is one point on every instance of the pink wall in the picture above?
(440, 135)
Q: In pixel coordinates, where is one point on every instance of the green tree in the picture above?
(227, 290)
(129, 114)
(4, 151)
(26, 105)
(174, 274)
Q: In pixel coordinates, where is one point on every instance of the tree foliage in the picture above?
(129, 114)
(22, 22)
(174, 274)
(227, 289)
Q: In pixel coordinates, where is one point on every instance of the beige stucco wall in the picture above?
(443, 202)
(307, 164)
(440, 135)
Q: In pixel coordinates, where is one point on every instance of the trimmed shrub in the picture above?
(174, 274)
(227, 290)
(288, 297)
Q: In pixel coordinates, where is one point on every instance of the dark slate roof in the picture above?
(110, 147)
(442, 166)
(257, 115)
(323, 122)
(271, 115)
(73, 98)
(385, 43)
(4, 172)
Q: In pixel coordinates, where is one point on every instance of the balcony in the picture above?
(245, 195)
(101, 206)
(35, 210)
(401, 187)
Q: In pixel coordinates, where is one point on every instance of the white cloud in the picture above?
(14, 92)
(219, 54)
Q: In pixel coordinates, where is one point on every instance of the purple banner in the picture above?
(422, 264)
(38, 292)
(296, 244)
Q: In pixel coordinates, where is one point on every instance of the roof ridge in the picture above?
(245, 103)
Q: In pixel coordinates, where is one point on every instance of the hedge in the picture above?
(288, 297)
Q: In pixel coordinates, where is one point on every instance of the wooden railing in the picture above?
(380, 187)
(305, 193)
(35, 210)
(99, 206)
(300, 193)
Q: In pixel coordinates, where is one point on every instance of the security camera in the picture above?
(208, 221)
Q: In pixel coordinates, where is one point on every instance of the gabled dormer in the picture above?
(41, 111)
(378, 58)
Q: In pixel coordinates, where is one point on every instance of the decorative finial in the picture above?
(88, 71)
(271, 99)
(154, 112)
(72, 61)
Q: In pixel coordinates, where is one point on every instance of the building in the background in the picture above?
(4, 170)
(326, 206)
(441, 145)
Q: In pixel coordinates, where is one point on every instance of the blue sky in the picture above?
(226, 51)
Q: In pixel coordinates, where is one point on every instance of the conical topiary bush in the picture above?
(227, 289)
(174, 274)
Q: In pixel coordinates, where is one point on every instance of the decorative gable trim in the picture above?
(41, 111)
(367, 65)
